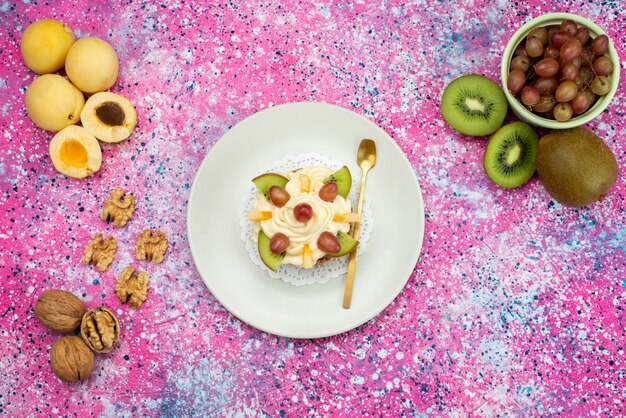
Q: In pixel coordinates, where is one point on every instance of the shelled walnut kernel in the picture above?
(132, 287)
(151, 245)
(100, 252)
(118, 208)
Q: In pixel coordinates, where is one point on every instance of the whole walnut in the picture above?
(59, 310)
(71, 359)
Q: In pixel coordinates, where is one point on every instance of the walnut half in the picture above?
(100, 252)
(132, 287)
(100, 329)
(151, 245)
(118, 208)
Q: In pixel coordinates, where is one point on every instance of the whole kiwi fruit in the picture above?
(575, 166)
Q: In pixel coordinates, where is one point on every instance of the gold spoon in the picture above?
(366, 158)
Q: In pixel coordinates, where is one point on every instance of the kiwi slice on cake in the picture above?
(346, 242)
(270, 259)
(343, 179)
(474, 105)
(510, 155)
(265, 181)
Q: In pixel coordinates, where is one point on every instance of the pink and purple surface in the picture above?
(517, 306)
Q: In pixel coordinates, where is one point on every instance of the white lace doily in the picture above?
(320, 273)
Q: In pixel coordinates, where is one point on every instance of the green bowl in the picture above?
(519, 108)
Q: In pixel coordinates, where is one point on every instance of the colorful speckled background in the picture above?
(516, 306)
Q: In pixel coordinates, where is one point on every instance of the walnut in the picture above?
(151, 245)
(118, 208)
(71, 359)
(59, 310)
(100, 252)
(132, 286)
(100, 329)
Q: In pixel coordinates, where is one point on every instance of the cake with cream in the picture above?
(303, 217)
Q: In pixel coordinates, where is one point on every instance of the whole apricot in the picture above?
(53, 102)
(92, 65)
(45, 44)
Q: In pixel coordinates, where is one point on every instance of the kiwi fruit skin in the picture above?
(510, 155)
(474, 105)
(575, 166)
(343, 178)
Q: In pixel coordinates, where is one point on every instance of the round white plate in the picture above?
(314, 310)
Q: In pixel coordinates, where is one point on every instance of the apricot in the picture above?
(75, 152)
(92, 65)
(109, 116)
(45, 44)
(53, 102)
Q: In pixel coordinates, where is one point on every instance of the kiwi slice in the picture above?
(270, 259)
(474, 105)
(343, 179)
(265, 181)
(510, 155)
(346, 242)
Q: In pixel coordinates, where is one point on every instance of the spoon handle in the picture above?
(347, 292)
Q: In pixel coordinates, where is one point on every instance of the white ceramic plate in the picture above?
(314, 310)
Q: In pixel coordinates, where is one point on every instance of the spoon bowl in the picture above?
(366, 154)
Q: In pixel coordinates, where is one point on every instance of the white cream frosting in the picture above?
(299, 233)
